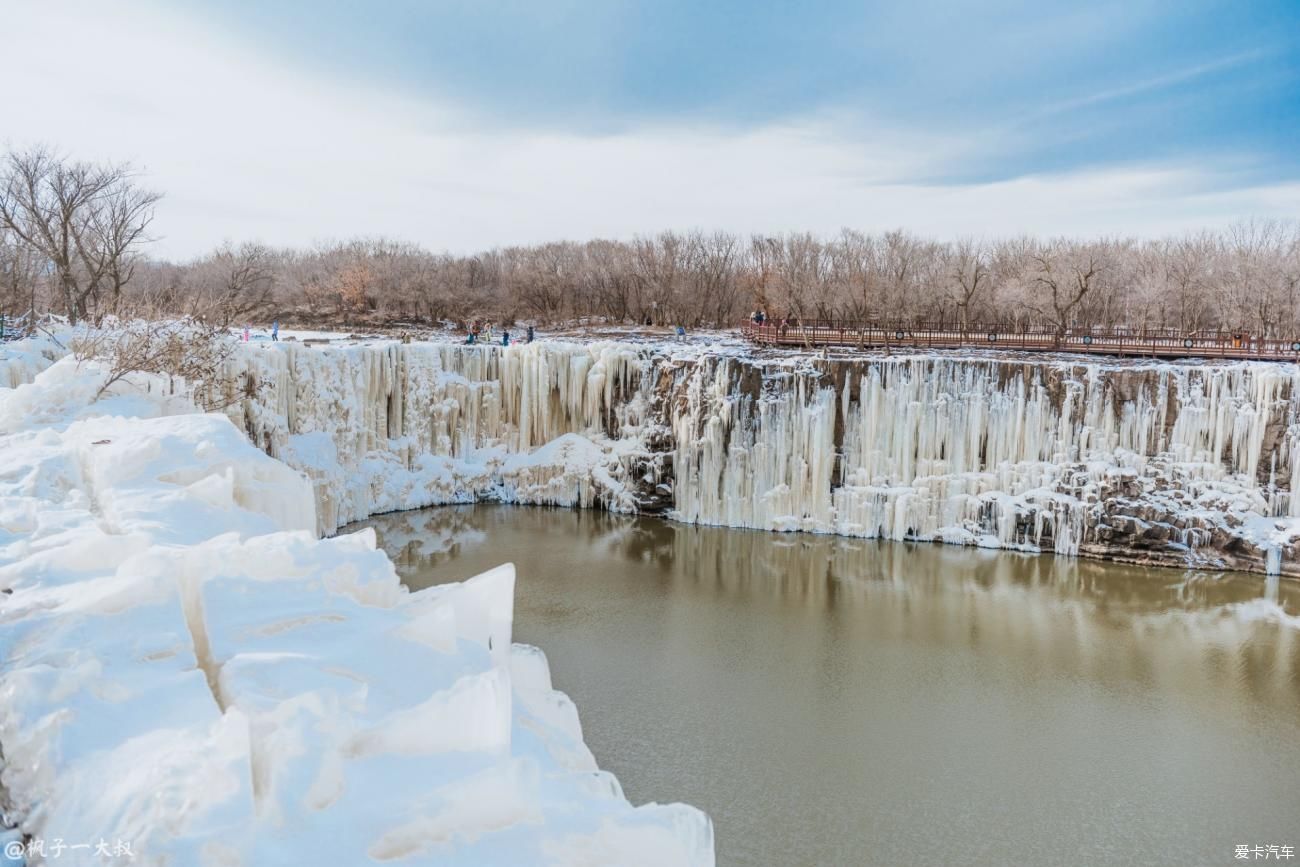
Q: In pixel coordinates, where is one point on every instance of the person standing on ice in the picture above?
(505, 338)
(530, 334)
(275, 329)
(245, 333)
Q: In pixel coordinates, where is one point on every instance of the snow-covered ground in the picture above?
(190, 676)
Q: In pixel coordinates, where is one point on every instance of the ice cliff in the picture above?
(189, 676)
(1160, 462)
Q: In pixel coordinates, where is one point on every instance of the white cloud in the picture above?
(245, 146)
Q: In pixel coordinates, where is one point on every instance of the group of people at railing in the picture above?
(760, 319)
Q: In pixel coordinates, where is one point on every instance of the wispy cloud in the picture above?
(1154, 83)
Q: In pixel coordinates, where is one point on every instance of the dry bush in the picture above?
(189, 351)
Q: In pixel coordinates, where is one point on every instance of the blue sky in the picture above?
(1061, 85)
(575, 119)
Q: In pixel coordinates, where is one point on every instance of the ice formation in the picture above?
(380, 428)
(1187, 462)
(187, 670)
(22, 360)
(1164, 462)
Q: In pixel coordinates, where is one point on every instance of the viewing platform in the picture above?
(1137, 343)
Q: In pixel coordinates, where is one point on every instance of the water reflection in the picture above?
(843, 701)
(805, 566)
(1188, 625)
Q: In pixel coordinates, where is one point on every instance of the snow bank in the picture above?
(187, 669)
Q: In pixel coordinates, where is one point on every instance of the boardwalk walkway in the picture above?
(1135, 343)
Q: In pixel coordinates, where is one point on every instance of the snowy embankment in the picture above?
(189, 672)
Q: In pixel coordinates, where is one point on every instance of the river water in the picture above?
(836, 701)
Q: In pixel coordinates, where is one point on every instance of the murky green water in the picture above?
(833, 701)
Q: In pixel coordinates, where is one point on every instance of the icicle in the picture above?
(963, 450)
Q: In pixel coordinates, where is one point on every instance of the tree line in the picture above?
(75, 239)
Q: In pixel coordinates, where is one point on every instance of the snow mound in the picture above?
(187, 668)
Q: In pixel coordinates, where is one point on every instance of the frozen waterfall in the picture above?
(1171, 462)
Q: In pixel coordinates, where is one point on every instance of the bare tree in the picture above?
(230, 284)
(116, 230)
(657, 267)
(1289, 276)
(1190, 265)
(20, 276)
(710, 277)
(1252, 286)
(969, 269)
(1246, 279)
(856, 274)
(608, 280)
(73, 237)
(86, 220)
(1069, 276)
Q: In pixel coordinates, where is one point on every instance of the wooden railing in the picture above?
(1150, 343)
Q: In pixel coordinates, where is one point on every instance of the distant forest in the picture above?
(75, 240)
